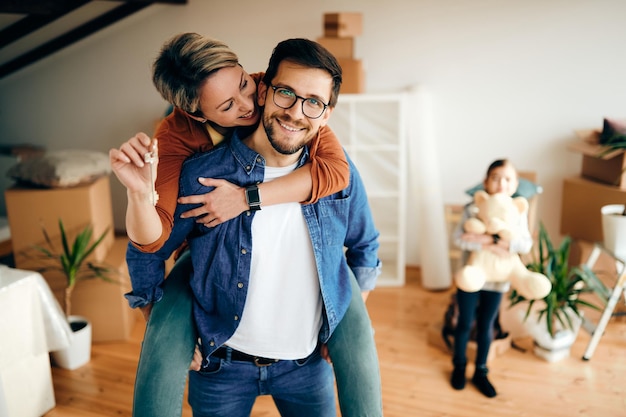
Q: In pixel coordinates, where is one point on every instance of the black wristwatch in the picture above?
(253, 197)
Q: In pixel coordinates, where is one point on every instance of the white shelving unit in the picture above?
(373, 130)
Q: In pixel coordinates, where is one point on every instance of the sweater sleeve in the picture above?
(179, 137)
(457, 234)
(329, 168)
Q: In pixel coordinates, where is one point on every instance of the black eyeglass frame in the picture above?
(274, 88)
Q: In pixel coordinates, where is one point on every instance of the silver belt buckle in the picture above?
(257, 361)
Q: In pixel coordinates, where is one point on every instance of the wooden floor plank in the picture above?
(415, 374)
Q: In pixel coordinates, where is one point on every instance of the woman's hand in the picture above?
(129, 164)
(481, 238)
(226, 201)
(325, 354)
(196, 362)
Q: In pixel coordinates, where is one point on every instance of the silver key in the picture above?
(150, 158)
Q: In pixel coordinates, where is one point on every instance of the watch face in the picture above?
(253, 196)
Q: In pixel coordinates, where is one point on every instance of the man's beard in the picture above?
(283, 148)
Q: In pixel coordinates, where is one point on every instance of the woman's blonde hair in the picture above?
(184, 64)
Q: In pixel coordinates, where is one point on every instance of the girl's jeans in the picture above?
(482, 306)
(170, 339)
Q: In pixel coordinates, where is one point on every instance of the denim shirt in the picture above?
(221, 255)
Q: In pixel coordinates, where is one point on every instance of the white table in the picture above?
(31, 325)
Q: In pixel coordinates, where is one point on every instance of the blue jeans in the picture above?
(226, 388)
(167, 348)
(171, 336)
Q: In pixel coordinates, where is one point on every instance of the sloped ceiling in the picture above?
(33, 29)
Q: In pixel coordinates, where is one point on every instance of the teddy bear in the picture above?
(498, 215)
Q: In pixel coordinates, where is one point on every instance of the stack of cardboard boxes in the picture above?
(31, 209)
(340, 29)
(602, 181)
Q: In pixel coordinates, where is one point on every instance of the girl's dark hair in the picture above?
(497, 164)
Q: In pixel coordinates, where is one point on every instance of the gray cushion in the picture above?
(525, 189)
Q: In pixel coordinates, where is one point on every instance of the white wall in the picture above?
(508, 78)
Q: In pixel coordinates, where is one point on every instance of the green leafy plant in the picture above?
(615, 142)
(72, 260)
(568, 284)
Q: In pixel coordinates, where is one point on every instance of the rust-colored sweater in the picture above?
(180, 136)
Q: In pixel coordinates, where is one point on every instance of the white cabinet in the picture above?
(373, 130)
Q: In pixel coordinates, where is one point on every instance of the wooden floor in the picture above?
(415, 374)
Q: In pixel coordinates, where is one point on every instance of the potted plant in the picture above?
(613, 215)
(72, 262)
(559, 314)
(614, 229)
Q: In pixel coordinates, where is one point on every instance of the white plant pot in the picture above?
(614, 229)
(78, 353)
(550, 348)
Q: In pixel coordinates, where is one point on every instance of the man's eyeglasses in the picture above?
(284, 98)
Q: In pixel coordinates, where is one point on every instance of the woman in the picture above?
(211, 95)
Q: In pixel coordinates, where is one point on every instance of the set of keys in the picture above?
(150, 158)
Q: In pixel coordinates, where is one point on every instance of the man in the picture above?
(271, 285)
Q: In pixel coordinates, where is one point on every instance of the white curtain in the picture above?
(424, 180)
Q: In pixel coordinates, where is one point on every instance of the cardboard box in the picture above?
(598, 163)
(580, 207)
(339, 47)
(353, 76)
(30, 209)
(343, 25)
(101, 302)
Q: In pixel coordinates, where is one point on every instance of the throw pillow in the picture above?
(67, 168)
(525, 189)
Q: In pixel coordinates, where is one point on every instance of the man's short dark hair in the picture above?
(309, 54)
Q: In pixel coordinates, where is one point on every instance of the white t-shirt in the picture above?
(282, 315)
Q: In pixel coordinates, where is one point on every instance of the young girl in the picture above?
(484, 305)
(212, 94)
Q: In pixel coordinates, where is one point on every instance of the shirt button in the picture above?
(212, 343)
(243, 251)
(240, 285)
(258, 159)
(236, 318)
(248, 167)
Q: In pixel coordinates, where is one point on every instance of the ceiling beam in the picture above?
(44, 7)
(34, 21)
(70, 37)
(44, 12)
(39, 7)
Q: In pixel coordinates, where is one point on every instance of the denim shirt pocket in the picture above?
(334, 220)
